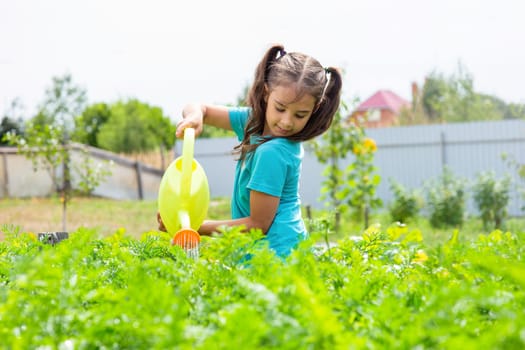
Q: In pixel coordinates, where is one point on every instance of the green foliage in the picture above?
(382, 290)
(89, 172)
(406, 203)
(514, 111)
(519, 169)
(353, 188)
(332, 147)
(9, 127)
(46, 135)
(42, 145)
(434, 97)
(47, 138)
(63, 102)
(134, 126)
(363, 180)
(12, 121)
(446, 200)
(88, 124)
(507, 110)
(454, 99)
(491, 196)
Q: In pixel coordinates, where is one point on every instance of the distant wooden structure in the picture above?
(128, 180)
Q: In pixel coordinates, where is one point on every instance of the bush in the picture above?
(406, 203)
(491, 196)
(446, 200)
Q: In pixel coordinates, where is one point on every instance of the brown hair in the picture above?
(278, 67)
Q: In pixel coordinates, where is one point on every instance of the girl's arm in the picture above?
(195, 115)
(263, 208)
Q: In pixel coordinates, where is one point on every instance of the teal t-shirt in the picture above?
(274, 168)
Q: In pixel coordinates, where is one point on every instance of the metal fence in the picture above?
(410, 155)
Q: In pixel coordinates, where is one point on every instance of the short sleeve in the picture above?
(269, 170)
(238, 118)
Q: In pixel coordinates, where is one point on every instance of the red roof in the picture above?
(383, 99)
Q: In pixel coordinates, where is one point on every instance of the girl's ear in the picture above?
(266, 93)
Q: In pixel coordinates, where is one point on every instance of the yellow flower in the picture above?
(420, 257)
(369, 144)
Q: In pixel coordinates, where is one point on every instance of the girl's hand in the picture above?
(193, 117)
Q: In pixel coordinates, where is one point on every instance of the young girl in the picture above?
(292, 99)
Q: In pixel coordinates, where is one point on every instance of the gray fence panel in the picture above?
(412, 156)
(128, 179)
(467, 149)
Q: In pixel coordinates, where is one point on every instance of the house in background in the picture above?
(379, 110)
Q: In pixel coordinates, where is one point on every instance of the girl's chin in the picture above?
(280, 132)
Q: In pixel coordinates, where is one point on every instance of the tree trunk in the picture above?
(66, 183)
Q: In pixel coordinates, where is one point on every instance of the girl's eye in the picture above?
(279, 109)
(300, 116)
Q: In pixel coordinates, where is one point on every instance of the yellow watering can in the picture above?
(184, 196)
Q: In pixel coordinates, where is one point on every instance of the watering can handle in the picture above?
(187, 166)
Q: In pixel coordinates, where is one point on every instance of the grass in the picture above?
(136, 217)
(470, 230)
(105, 215)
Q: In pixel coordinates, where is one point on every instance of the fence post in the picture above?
(6, 176)
(443, 145)
(138, 170)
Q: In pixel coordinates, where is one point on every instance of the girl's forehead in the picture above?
(290, 94)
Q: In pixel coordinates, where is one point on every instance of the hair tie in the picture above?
(282, 53)
(326, 70)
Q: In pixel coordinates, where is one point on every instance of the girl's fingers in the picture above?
(161, 224)
(188, 124)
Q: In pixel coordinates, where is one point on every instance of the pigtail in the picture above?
(256, 94)
(256, 99)
(332, 94)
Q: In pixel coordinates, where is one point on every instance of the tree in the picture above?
(46, 140)
(12, 121)
(514, 111)
(434, 96)
(351, 189)
(63, 102)
(134, 126)
(163, 131)
(508, 111)
(330, 149)
(446, 99)
(88, 124)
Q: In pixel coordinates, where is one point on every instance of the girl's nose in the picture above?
(287, 120)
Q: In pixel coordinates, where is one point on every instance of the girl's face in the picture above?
(285, 114)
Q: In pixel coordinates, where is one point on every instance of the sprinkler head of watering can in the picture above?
(186, 238)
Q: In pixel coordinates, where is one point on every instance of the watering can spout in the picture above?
(184, 195)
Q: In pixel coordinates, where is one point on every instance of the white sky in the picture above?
(168, 53)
